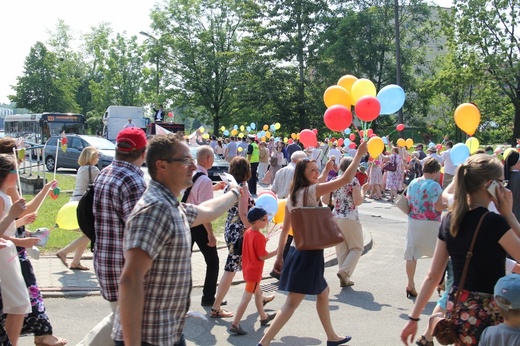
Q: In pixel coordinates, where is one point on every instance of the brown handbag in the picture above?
(445, 328)
(314, 228)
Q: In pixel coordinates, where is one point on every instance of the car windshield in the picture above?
(100, 143)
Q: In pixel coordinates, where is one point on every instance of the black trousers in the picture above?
(200, 236)
(254, 178)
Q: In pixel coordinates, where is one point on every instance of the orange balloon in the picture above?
(337, 95)
(467, 118)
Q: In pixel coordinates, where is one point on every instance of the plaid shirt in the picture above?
(160, 226)
(117, 189)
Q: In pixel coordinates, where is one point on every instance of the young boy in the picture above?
(507, 298)
(253, 256)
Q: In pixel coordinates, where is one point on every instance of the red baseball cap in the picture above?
(133, 136)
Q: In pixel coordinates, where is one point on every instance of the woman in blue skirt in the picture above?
(303, 271)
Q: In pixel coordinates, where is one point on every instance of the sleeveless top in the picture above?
(11, 229)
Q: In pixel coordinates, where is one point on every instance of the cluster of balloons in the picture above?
(241, 131)
(361, 93)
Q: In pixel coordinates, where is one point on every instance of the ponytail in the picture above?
(460, 207)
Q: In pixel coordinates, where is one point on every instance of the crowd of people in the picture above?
(145, 235)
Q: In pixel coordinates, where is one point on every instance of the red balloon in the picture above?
(361, 133)
(308, 138)
(352, 145)
(370, 132)
(333, 139)
(368, 108)
(372, 135)
(315, 131)
(399, 127)
(438, 147)
(170, 114)
(337, 118)
(352, 136)
(340, 141)
(290, 141)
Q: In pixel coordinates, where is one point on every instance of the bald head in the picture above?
(298, 155)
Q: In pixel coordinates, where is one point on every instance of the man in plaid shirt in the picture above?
(117, 189)
(155, 285)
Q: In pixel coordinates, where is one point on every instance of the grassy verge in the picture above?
(49, 210)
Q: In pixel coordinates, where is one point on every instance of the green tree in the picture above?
(490, 29)
(45, 86)
(199, 41)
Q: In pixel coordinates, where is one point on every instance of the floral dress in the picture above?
(233, 235)
(394, 180)
(376, 174)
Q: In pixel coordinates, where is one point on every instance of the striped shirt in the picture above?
(117, 189)
(160, 226)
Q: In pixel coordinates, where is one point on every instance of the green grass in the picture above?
(60, 237)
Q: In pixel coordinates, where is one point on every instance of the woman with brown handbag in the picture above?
(303, 270)
(497, 235)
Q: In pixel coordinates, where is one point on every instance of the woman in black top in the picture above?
(498, 234)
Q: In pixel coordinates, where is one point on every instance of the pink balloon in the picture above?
(337, 118)
(399, 127)
(341, 141)
(352, 145)
(370, 132)
(308, 138)
(352, 136)
(315, 131)
(267, 192)
(368, 108)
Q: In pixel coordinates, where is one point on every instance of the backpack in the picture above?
(85, 213)
(188, 190)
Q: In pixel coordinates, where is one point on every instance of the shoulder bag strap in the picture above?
(188, 190)
(89, 175)
(466, 264)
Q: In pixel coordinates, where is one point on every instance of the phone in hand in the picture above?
(492, 188)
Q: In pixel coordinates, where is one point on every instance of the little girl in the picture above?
(15, 295)
(375, 178)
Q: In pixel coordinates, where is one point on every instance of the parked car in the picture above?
(219, 165)
(75, 144)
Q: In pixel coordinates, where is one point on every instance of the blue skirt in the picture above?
(303, 271)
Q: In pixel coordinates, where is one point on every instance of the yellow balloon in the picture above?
(268, 134)
(205, 136)
(223, 128)
(240, 135)
(242, 128)
(375, 146)
(467, 118)
(263, 139)
(409, 143)
(277, 126)
(298, 135)
(285, 139)
(347, 81)
(280, 213)
(240, 149)
(472, 143)
(234, 132)
(293, 135)
(362, 87)
(401, 142)
(201, 129)
(266, 127)
(337, 95)
(66, 218)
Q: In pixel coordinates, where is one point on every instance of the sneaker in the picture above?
(237, 330)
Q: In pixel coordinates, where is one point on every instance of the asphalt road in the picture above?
(373, 311)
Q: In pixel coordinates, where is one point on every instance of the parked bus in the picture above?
(38, 128)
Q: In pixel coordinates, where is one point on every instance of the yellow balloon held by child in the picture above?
(473, 144)
(66, 218)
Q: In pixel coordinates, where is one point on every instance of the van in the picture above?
(116, 117)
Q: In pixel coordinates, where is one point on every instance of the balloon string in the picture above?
(17, 173)
(12, 258)
(56, 159)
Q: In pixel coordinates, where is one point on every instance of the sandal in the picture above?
(49, 340)
(78, 267)
(63, 258)
(237, 330)
(266, 300)
(222, 313)
(423, 342)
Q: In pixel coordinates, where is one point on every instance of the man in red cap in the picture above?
(117, 188)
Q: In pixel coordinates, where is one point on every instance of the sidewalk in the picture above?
(55, 280)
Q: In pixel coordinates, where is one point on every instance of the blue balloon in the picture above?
(235, 127)
(261, 134)
(226, 133)
(346, 142)
(272, 128)
(248, 129)
(391, 98)
(269, 203)
(347, 131)
(385, 140)
(253, 126)
(459, 153)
